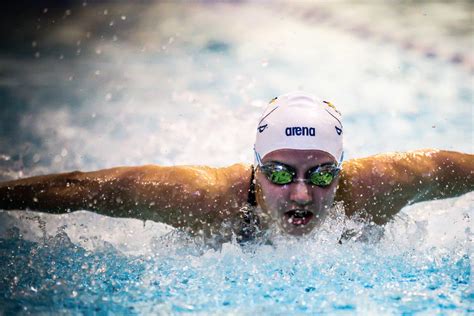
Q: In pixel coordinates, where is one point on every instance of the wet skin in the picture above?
(279, 201)
(200, 198)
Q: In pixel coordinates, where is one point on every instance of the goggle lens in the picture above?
(281, 177)
(281, 174)
(322, 179)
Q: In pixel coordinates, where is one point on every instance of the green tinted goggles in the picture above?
(282, 174)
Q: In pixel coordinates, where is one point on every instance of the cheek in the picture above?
(259, 196)
(269, 196)
(326, 195)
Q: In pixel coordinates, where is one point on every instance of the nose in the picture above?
(300, 193)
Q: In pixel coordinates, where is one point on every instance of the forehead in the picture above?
(299, 157)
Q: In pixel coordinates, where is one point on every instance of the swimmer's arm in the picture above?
(382, 185)
(181, 196)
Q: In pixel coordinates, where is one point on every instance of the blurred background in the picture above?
(88, 85)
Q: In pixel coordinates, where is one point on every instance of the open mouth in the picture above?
(298, 217)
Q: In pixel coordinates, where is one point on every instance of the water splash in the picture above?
(397, 271)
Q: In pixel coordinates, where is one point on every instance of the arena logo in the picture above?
(300, 131)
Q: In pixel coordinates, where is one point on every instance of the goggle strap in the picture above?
(257, 157)
(339, 164)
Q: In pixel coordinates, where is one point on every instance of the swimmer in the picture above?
(297, 177)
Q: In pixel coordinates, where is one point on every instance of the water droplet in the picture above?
(257, 103)
(36, 158)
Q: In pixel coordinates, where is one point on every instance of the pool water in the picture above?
(101, 85)
(416, 267)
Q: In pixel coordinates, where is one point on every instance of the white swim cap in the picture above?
(299, 121)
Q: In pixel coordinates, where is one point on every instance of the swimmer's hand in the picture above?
(380, 186)
(182, 196)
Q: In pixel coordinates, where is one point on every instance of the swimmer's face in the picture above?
(280, 202)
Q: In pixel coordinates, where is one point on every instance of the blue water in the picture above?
(110, 84)
(60, 276)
